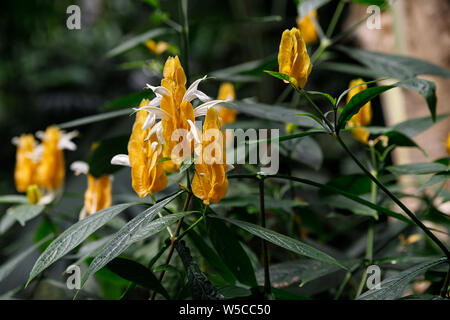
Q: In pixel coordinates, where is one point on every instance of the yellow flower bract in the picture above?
(308, 28)
(25, 169)
(210, 182)
(364, 115)
(98, 194)
(179, 111)
(51, 168)
(293, 58)
(226, 92)
(147, 174)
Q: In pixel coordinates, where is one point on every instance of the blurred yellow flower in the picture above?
(210, 182)
(33, 194)
(293, 59)
(25, 169)
(226, 92)
(447, 143)
(144, 152)
(308, 28)
(51, 168)
(157, 47)
(364, 115)
(98, 194)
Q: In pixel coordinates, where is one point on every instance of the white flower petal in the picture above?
(121, 160)
(154, 145)
(159, 113)
(202, 109)
(65, 140)
(15, 141)
(150, 121)
(159, 90)
(194, 131)
(229, 167)
(79, 167)
(192, 92)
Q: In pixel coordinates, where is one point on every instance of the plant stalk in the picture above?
(405, 209)
(267, 285)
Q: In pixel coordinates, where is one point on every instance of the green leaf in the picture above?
(212, 257)
(74, 235)
(46, 228)
(323, 94)
(231, 251)
(305, 6)
(417, 168)
(439, 177)
(338, 201)
(285, 242)
(13, 198)
(137, 273)
(133, 231)
(394, 287)
(425, 88)
(95, 118)
(306, 151)
(273, 113)
(201, 287)
(399, 67)
(299, 271)
(186, 164)
(281, 76)
(99, 159)
(346, 68)
(244, 72)
(25, 212)
(357, 102)
(401, 140)
(289, 137)
(10, 265)
(415, 126)
(136, 40)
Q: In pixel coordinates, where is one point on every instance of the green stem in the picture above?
(303, 92)
(408, 212)
(335, 19)
(172, 242)
(267, 285)
(348, 275)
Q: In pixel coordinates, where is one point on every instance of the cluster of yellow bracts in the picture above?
(150, 146)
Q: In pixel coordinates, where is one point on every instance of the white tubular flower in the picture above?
(202, 109)
(159, 90)
(121, 160)
(79, 167)
(194, 132)
(65, 140)
(158, 129)
(192, 92)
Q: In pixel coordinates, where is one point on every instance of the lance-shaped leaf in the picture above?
(25, 212)
(13, 198)
(394, 287)
(136, 229)
(74, 235)
(418, 168)
(137, 273)
(95, 118)
(11, 264)
(286, 242)
(357, 102)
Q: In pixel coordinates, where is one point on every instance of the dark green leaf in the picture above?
(394, 287)
(357, 102)
(201, 287)
(212, 257)
(399, 67)
(74, 235)
(99, 159)
(25, 212)
(95, 118)
(137, 273)
(231, 251)
(417, 168)
(285, 242)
